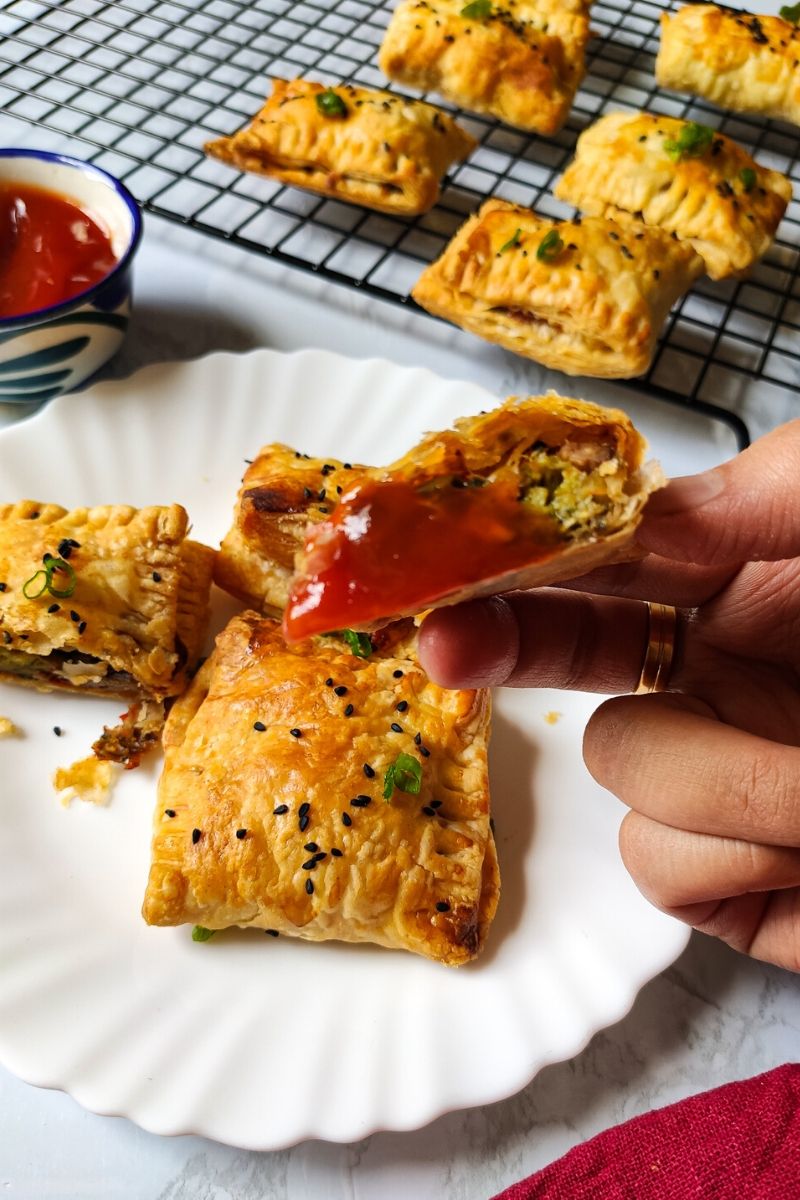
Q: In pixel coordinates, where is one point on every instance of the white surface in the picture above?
(187, 1038)
(712, 1017)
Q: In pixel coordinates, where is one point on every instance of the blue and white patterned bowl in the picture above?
(53, 350)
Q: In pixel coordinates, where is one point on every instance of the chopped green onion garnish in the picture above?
(405, 774)
(693, 141)
(201, 934)
(748, 178)
(550, 246)
(790, 12)
(42, 580)
(360, 643)
(29, 588)
(331, 104)
(478, 10)
(512, 242)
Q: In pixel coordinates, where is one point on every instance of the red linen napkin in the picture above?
(737, 1142)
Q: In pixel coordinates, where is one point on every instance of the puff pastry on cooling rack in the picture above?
(282, 492)
(739, 60)
(539, 490)
(587, 296)
(684, 178)
(520, 61)
(372, 148)
(111, 601)
(318, 794)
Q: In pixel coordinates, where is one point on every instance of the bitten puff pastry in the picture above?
(539, 490)
(372, 148)
(519, 60)
(111, 601)
(326, 796)
(738, 60)
(587, 297)
(282, 492)
(684, 178)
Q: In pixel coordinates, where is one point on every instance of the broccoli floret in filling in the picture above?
(575, 495)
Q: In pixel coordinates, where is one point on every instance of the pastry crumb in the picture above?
(88, 779)
(8, 728)
(552, 718)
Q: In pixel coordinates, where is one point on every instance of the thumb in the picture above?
(748, 509)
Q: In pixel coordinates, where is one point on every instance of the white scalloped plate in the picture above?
(250, 1040)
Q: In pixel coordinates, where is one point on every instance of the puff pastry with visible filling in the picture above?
(536, 491)
(282, 492)
(372, 148)
(683, 177)
(272, 811)
(519, 60)
(111, 601)
(587, 297)
(741, 61)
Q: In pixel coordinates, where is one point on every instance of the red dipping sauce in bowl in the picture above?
(50, 249)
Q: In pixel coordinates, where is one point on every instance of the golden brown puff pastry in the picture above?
(684, 178)
(520, 61)
(282, 492)
(587, 297)
(738, 60)
(111, 601)
(272, 812)
(372, 148)
(539, 490)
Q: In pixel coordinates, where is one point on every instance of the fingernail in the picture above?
(686, 493)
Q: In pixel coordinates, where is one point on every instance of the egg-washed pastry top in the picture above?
(373, 148)
(586, 296)
(324, 795)
(739, 60)
(684, 178)
(519, 60)
(282, 492)
(538, 490)
(111, 601)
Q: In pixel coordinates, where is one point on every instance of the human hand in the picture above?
(710, 769)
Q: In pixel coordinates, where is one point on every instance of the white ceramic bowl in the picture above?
(54, 349)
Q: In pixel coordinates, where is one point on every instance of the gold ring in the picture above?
(662, 620)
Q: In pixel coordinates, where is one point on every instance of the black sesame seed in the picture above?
(73, 616)
(417, 739)
(7, 637)
(398, 674)
(336, 852)
(340, 691)
(395, 728)
(82, 627)
(436, 803)
(271, 932)
(442, 906)
(425, 752)
(320, 855)
(3, 587)
(296, 733)
(369, 771)
(307, 493)
(156, 577)
(311, 847)
(429, 812)
(64, 548)
(309, 886)
(402, 706)
(361, 801)
(309, 864)
(259, 726)
(196, 835)
(280, 810)
(348, 712)
(57, 730)
(347, 466)
(347, 819)
(302, 824)
(241, 834)
(303, 809)
(54, 608)
(328, 683)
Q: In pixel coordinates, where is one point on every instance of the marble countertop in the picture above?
(712, 1017)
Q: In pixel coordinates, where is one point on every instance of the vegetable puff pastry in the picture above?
(372, 148)
(738, 60)
(539, 490)
(326, 796)
(587, 297)
(683, 177)
(282, 492)
(111, 601)
(520, 61)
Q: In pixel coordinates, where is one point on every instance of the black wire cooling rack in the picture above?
(138, 86)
